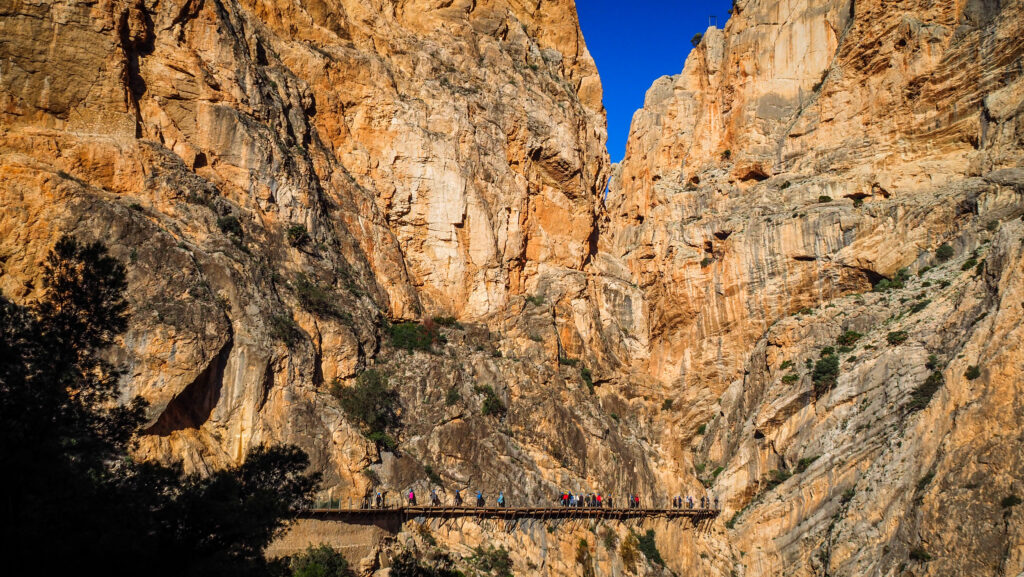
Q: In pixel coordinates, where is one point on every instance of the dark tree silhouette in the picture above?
(71, 496)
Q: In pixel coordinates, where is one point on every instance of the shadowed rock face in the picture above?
(284, 180)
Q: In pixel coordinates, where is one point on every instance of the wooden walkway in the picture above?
(508, 513)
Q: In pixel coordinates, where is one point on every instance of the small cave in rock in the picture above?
(194, 404)
(200, 161)
(804, 258)
(722, 234)
(877, 189)
(755, 173)
(709, 247)
(639, 219)
(758, 434)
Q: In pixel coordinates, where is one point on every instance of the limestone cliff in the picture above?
(286, 179)
(806, 153)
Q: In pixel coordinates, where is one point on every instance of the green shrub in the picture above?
(568, 361)
(450, 322)
(492, 405)
(969, 264)
(647, 546)
(805, 462)
(614, 417)
(972, 372)
(706, 261)
(785, 365)
(371, 404)
(980, 269)
(844, 349)
(588, 378)
(382, 439)
(432, 475)
(897, 337)
(848, 495)
(923, 482)
(790, 378)
(317, 299)
(700, 431)
(535, 299)
(826, 351)
(823, 198)
(320, 561)
(805, 311)
(848, 338)
(826, 373)
(778, 476)
(283, 328)
(923, 270)
(932, 363)
(666, 405)
(492, 561)
(920, 305)
(695, 41)
(297, 235)
(922, 395)
(230, 225)
(452, 397)
(919, 554)
(944, 252)
(629, 552)
(608, 538)
(412, 336)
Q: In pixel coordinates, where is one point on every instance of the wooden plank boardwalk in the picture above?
(450, 512)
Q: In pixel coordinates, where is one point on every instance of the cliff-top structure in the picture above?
(803, 294)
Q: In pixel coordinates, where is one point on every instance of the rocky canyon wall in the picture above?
(809, 152)
(286, 180)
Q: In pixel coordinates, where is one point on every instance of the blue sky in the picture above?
(635, 42)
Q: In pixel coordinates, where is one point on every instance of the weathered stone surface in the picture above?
(804, 153)
(285, 179)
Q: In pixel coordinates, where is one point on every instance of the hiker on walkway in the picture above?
(412, 498)
(479, 498)
(433, 498)
(501, 498)
(586, 500)
(458, 498)
(565, 499)
(716, 502)
(598, 497)
(689, 501)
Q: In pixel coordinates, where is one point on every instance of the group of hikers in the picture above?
(705, 502)
(567, 499)
(590, 500)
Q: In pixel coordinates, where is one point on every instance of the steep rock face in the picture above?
(806, 153)
(282, 177)
(733, 205)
